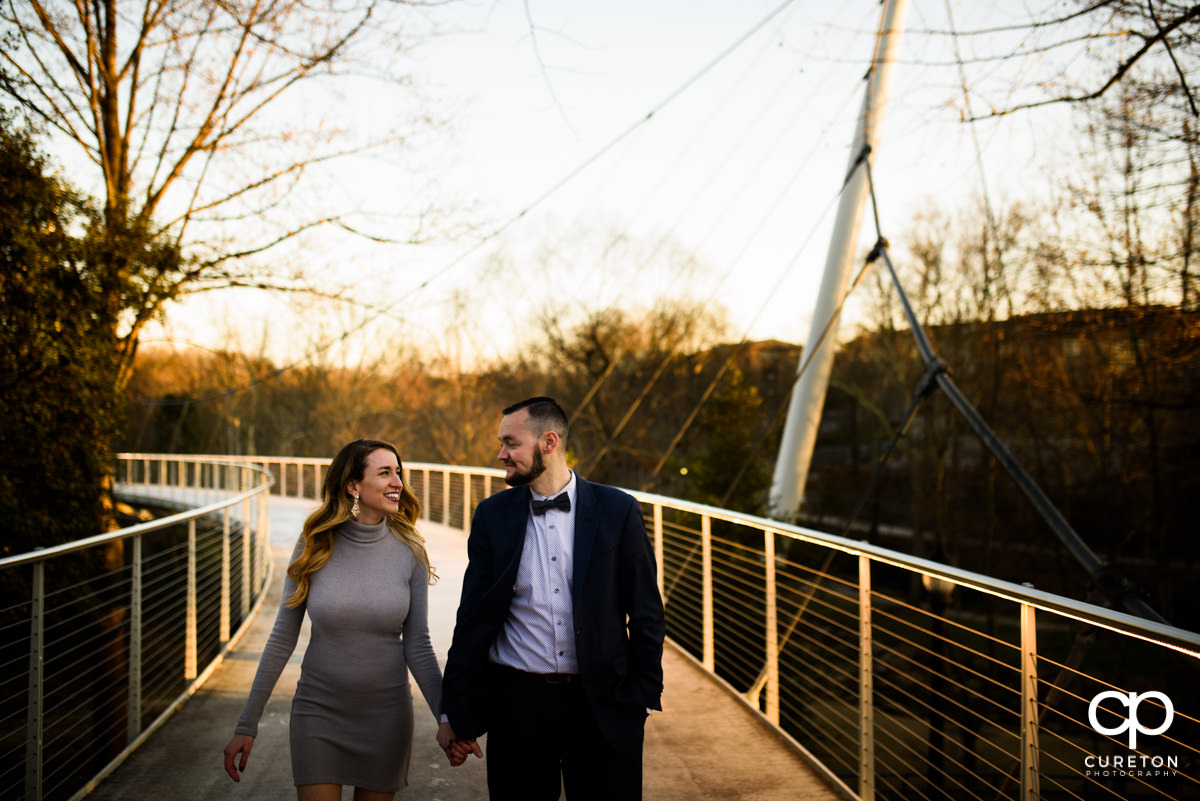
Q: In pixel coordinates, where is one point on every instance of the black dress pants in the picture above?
(542, 736)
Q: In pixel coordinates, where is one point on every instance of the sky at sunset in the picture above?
(724, 195)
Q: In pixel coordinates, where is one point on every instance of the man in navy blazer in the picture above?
(557, 650)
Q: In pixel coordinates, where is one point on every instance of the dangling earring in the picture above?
(354, 508)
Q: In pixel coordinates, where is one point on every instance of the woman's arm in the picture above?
(418, 647)
(276, 653)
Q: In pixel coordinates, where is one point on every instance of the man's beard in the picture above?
(536, 469)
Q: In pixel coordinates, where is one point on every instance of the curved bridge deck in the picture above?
(704, 745)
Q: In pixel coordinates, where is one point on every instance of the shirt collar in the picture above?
(569, 489)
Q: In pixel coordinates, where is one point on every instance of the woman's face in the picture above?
(379, 490)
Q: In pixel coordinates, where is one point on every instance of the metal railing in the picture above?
(439, 487)
(896, 677)
(102, 639)
(902, 678)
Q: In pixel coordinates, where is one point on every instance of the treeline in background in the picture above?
(1100, 406)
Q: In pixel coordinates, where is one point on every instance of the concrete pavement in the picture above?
(704, 746)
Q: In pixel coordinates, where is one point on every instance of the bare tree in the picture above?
(628, 379)
(1088, 48)
(179, 108)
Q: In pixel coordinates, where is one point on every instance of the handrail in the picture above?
(895, 676)
(1151, 631)
(121, 628)
(966, 690)
(128, 532)
(1187, 642)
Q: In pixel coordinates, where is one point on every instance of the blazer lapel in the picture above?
(587, 523)
(516, 517)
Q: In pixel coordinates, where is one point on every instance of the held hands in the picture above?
(456, 749)
(460, 748)
(240, 744)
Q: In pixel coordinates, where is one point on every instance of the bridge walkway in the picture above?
(703, 746)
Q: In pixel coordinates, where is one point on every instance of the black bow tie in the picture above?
(561, 502)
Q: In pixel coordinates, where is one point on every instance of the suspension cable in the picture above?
(510, 222)
(1112, 583)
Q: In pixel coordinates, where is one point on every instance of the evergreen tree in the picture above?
(61, 407)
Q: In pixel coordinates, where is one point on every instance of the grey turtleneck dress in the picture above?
(352, 714)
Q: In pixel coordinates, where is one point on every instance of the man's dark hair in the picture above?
(544, 415)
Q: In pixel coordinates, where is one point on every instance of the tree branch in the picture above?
(1122, 69)
(1178, 70)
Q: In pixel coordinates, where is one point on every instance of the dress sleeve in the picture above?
(278, 650)
(418, 647)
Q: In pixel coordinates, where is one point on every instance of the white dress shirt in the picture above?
(539, 634)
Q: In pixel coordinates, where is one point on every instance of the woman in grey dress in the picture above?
(361, 573)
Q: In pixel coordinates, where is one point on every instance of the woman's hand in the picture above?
(240, 744)
(450, 743)
(456, 749)
(445, 736)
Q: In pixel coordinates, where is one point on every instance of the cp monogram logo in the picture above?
(1131, 702)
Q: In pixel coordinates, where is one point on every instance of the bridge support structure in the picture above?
(808, 396)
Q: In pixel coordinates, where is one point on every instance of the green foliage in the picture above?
(58, 357)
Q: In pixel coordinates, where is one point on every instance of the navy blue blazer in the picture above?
(619, 619)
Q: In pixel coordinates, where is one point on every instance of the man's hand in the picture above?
(460, 748)
(240, 744)
(456, 749)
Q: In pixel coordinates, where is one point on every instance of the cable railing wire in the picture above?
(960, 682)
(82, 680)
(1106, 577)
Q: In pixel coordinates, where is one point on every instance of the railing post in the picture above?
(466, 477)
(425, 495)
(189, 650)
(658, 549)
(706, 572)
(226, 622)
(405, 476)
(133, 713)
(445, 497)
(263, 535)
(772, 630)
(247, 553)
(247, 531)
(1030, 771)
(33, 724)
(866, 685)
(487, 486)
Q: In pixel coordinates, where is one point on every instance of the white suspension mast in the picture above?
(808, 398)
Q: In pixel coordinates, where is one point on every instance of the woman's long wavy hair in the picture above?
(351, 465)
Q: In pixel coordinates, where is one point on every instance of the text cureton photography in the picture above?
(1132, 764)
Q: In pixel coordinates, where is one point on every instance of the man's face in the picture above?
(520, 449)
